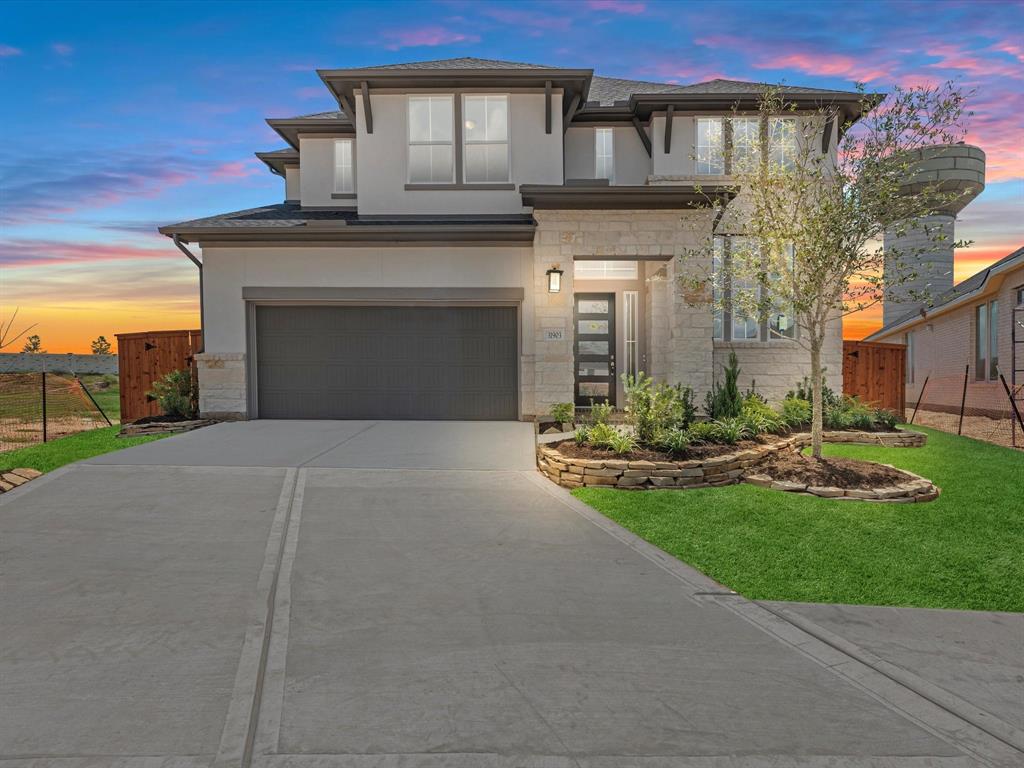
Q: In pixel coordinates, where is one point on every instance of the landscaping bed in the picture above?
(961, 550)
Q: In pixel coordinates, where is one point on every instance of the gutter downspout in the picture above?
(202, 308)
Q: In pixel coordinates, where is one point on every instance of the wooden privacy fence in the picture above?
(876, 373)
(145, 357)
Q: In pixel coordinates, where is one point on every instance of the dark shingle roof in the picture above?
(284, 215)
(608, 90)
(972, 283)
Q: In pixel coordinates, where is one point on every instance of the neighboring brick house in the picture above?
(972, 328)
(470, 239)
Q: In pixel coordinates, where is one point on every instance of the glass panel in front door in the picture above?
(595, 348)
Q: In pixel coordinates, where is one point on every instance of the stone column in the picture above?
(222, 385)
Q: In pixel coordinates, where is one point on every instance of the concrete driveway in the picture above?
(392, 595)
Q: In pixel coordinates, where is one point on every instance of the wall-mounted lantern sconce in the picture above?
(554, 279)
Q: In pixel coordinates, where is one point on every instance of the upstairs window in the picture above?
(710, 146)
(431, 142)
(782, 142)
(486, 139)
(604, 155)
(746, 142)
(344, 168)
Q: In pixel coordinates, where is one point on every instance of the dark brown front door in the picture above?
(594, 348)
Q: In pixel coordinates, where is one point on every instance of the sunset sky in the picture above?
(117, 118)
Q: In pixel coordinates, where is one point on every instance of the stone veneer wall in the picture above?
(222, 392)
(777, 366)
(679, 336)
(695, 473)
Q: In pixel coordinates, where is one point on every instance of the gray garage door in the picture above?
(322, 362)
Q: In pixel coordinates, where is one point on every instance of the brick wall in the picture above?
(945, 344)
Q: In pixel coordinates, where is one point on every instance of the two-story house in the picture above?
(476, 239)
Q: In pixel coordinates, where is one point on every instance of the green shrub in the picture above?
(761, 417)
(795, 411)
(601, 435)
(674, 441)
(582, 435)
(563, 413)
(653, 408)
(622, 442)
(600, 412)
(885, 419)
(175, 394)
(829, 399)
(731, 431)
(703, 432)
(724, 401)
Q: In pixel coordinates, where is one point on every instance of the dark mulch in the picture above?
(570, 449)
(163, 419)
(829, 471)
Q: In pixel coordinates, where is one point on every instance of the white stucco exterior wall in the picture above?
(536, 158)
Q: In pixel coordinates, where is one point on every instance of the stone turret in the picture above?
(956, 167)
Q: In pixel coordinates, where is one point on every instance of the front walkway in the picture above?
(166, 606)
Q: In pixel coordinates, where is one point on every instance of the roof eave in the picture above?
(352, 234)
(278, 161)
(953, 303)
(290, 128)
(611, 197)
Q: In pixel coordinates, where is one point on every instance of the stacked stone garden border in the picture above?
(731, 468)
(12, 478)
(135, 429)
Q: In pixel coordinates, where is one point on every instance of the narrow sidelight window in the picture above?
(993, 340)
(710, 146)
(344, 168)
(486, 139)
(604, 155)
(431, 132)
(986, 341)
(631, 315)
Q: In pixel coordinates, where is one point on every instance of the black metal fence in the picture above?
(38, 407)
(991, 410)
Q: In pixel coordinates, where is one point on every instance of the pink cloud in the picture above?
(62, 49)
(832, 64)
(427, 36)
(628, 7)
(35, 253)
(1014, 50)
(312, 92)
(954, 57)
(238, 169)
(9, 50)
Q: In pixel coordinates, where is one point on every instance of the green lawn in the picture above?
(49, 456)
(963, 550)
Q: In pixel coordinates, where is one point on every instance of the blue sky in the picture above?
(119, 117)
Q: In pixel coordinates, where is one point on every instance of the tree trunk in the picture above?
(816, 409)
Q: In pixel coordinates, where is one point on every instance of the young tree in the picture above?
(7, 333)
(100, 346)
(33, 345)
(812, 224)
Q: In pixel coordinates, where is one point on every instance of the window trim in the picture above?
(464, 142)
(610, 133)
(352, 168)
(453, 142)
